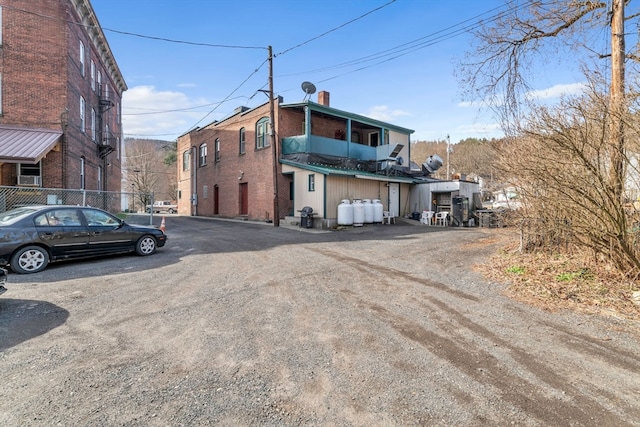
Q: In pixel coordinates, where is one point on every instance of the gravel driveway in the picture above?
(242, 324)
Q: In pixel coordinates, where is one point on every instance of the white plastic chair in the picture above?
(442, 218)
(388, 216)
(427, 217)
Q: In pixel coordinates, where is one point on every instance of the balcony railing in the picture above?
(327, 146)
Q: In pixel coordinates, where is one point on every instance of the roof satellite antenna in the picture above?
(309, 89)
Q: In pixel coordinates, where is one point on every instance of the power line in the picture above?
(228, 96)
(414, 45)
(126, 33)
(335, 29)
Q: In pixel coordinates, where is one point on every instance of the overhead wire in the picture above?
(335, 28)
(414, 45)
(381, 57)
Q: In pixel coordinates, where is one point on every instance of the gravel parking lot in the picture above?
(246, 324)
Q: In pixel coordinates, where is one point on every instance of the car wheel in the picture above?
(146, 245)
(30, 259)
(172, 211)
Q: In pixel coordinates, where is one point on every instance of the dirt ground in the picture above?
(247, 324)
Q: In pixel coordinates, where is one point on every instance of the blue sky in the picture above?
(176, 86)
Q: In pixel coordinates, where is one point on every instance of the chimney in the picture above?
(323, 98)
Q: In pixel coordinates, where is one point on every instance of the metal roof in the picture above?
(346, 115)
(24, 145)
(354, 173)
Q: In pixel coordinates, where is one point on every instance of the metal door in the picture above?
(394, 198)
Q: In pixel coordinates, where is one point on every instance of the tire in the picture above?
(30, 259)
(172, 211)
(146, 245)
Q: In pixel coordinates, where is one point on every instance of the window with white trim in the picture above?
(217, 148)
(81, 58)
(93, 125)
(203, 154)
(242, 142)
(82, 108)
(92, 74)
(312, 182)
(82, 176)
(262, 133)
(186, 160)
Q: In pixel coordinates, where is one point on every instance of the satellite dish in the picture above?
(308, 88)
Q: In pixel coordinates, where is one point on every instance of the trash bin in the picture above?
(306, 217)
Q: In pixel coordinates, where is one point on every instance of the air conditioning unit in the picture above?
(28, 180)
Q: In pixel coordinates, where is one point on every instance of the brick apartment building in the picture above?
(60, 97)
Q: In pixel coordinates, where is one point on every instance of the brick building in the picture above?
(322, 155)
(60, 97)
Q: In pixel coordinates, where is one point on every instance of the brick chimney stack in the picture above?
(323, 98)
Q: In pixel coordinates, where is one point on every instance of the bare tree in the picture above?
(580, 145)
(150, 170)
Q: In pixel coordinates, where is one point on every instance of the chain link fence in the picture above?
(111, 201)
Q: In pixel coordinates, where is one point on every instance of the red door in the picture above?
(244, 199)
(216, 200)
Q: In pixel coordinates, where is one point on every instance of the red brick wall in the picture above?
(253, 168)
(42, 85)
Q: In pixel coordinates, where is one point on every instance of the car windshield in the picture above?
(9, 217)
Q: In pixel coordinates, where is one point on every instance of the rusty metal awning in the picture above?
(25, 145)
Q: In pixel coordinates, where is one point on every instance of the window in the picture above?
(186, 160)
(81, 58)
(312, 182)
(203, 154)
(217, 148)
(0, 25)
(262, 133)
(82, 124)
(93, 124)
(99, 82)
(241, 141)
(29, 174)
(82, 173)
(92, 74)
(98, 218)
(0, 87)
(355, 136)
(100, 178)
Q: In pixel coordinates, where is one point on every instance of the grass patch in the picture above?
(573, 281)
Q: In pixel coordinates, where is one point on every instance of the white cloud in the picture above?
(384, 113)
(557, 91)
(149, 113)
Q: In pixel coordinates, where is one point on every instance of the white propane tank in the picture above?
(358, 213)
(377, 211)
(368, 211)
(345, 213)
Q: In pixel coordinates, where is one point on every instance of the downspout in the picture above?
(307, 128)
(194, 183)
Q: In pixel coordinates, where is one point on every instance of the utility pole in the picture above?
(617, 100)
(274, 145)
(448, 151)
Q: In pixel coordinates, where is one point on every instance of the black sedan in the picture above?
(33, 236)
